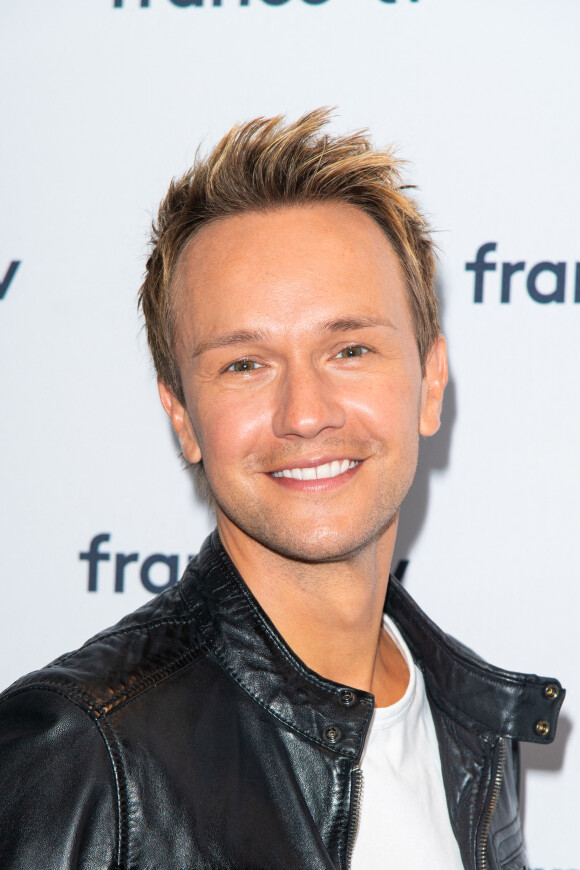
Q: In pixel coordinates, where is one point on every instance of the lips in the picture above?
(319, 472)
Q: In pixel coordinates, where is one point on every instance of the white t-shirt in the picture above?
(404, 823)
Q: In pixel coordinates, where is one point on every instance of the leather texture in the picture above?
(190, 736)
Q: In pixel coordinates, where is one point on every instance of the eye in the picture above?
(352, 351)
(240, 366)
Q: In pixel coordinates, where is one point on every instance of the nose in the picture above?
(306, 404)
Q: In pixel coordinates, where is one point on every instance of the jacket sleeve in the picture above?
(58, 796)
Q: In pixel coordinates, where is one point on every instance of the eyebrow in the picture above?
(360, 321)
(254, 336)
(227, 339)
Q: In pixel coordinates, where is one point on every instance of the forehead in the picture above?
(287, 266)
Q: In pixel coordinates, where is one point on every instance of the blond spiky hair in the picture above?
(265, 164)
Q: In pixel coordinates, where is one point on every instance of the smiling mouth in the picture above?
(319, 472)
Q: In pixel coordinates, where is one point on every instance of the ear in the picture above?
(181, 423)
(434, 383)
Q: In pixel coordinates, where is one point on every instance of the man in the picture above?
(233, 721)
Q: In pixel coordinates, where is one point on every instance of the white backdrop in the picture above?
(102, 102)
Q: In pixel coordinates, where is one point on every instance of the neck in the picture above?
(329, 613)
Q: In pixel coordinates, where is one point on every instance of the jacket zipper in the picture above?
(355, 808)
(495, 792)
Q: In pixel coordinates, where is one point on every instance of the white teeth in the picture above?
(318, 472)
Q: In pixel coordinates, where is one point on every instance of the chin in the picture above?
(312, 542)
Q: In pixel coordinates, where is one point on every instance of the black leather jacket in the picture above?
(190, 736)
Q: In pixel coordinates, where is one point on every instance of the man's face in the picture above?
(303, 388)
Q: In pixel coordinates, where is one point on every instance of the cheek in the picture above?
(229, 429)
(387, 407)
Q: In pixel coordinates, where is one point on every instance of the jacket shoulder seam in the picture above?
(124, 696)
(129, 629)
(74, 692)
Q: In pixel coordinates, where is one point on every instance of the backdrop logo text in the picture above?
(183, 4)
(8, 276)
(546, 281)
(157, 572)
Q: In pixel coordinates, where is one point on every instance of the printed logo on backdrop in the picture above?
(156, 572)
(183, 4)
(545, 281)
(8, 278)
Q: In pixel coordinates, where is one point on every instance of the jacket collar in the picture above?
(239, 634)
(241, 637)
(476, 694)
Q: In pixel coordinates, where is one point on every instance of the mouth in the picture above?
(319, 472)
